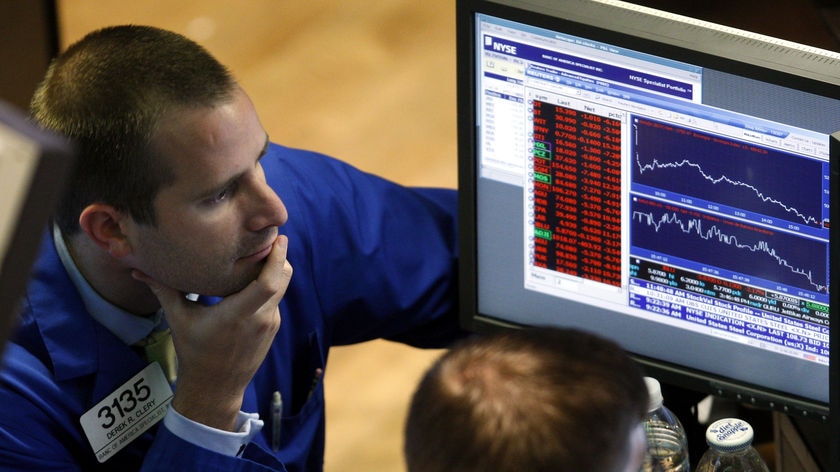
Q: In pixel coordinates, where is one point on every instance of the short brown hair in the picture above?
(107, 93)
(545, 399)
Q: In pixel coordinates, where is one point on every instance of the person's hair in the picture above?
(107, 93)
(544, 399)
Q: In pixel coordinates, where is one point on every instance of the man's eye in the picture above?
(223, 195)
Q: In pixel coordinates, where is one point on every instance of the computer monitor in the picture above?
(656, 179)
(34, 165)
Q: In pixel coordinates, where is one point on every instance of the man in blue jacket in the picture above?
(183, 215)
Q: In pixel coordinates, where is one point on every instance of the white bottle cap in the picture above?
(654, 393)
(729, 434)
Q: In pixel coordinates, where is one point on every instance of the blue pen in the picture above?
(276, 418)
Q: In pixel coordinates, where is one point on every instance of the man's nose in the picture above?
(269, 209)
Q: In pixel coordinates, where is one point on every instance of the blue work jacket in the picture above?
(371, 260)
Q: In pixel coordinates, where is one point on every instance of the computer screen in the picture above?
(656, 179)
(34, 166)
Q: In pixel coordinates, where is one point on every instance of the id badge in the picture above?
(128, 412)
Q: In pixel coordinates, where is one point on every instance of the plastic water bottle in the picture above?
(667, 441)
(730, 448)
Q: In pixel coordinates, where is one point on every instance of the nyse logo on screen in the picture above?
(492, 43)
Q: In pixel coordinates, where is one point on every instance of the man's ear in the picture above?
(101, 223)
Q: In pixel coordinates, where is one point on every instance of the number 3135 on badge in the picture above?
(127, 412)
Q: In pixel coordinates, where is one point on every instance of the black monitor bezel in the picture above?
(834, 301)
(53, 163)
